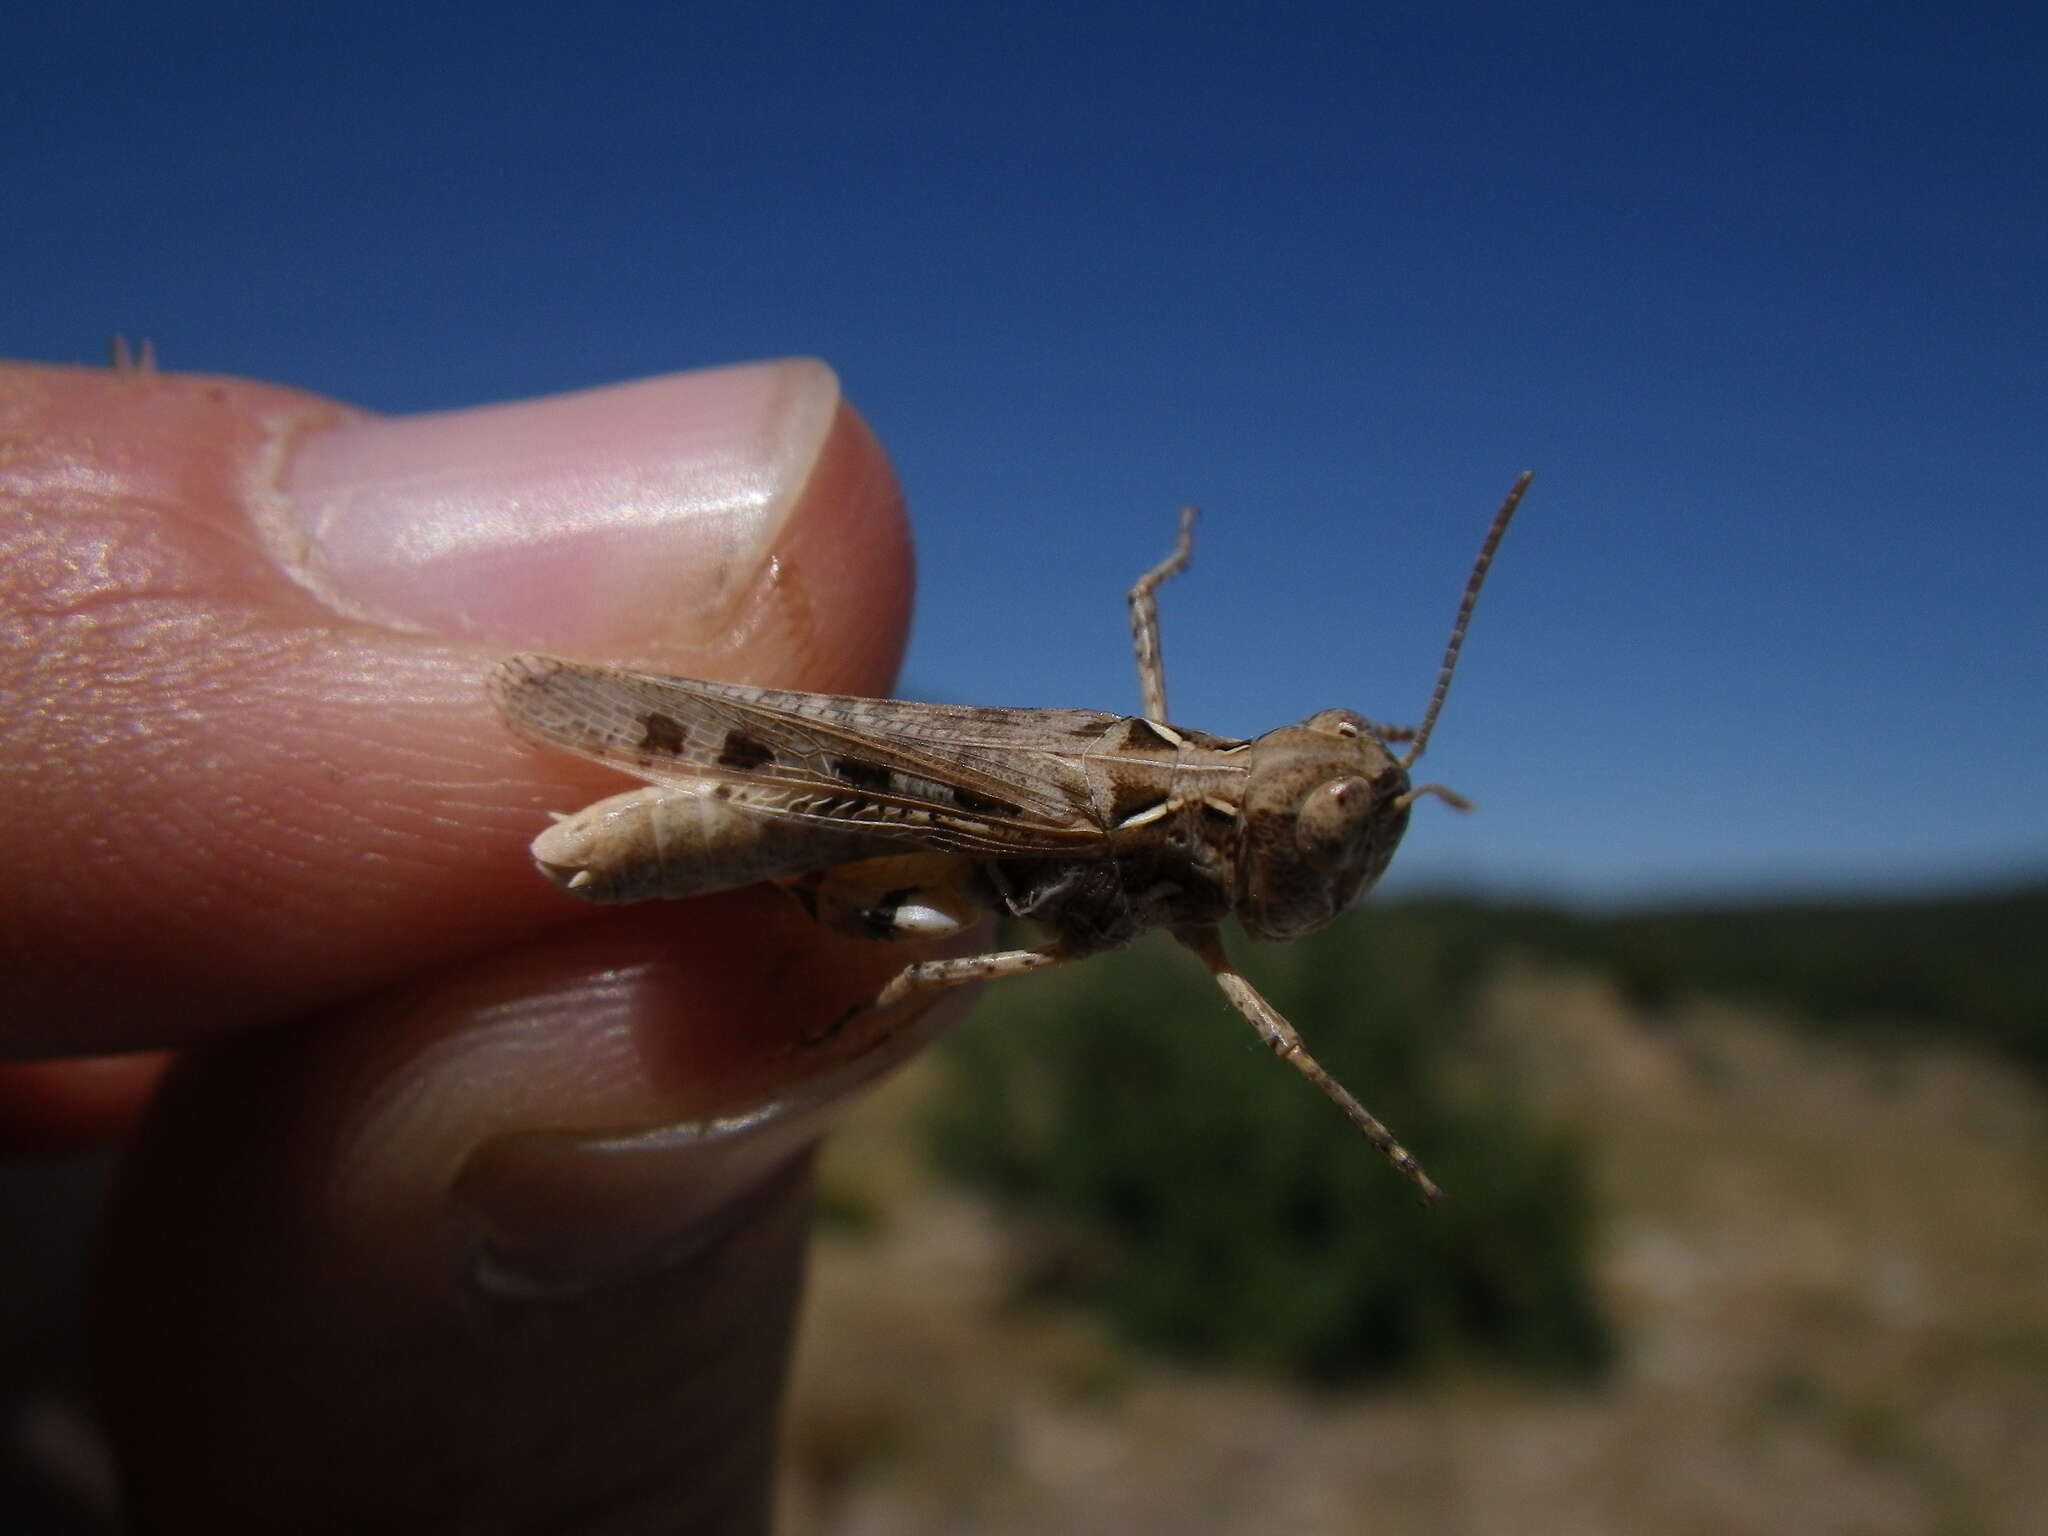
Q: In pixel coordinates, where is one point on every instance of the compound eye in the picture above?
(1332, 819)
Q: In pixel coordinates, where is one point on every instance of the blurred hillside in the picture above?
(1747, 1226)
(1973, 969)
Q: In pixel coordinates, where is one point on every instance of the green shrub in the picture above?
(1225, 1211)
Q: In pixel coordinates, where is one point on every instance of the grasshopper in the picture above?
(894, 820)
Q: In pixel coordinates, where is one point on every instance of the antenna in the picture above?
(1465, 605)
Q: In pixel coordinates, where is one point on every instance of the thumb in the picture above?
(252, 763)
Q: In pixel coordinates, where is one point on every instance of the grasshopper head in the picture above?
(1326, 801)
(1325, 805)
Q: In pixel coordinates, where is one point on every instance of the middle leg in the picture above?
(1145, 618)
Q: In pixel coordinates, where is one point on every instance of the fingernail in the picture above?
(576, 522)
(560, 1214)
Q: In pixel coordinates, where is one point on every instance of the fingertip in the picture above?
(447, 1224)
(847, 574)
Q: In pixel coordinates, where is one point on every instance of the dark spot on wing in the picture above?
(872, 777)
(663, 734)
(981, 805)
(1140, 738)
(743, 752)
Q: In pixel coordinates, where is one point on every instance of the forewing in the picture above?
(939, 776)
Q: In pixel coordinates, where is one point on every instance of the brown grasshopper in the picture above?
(894, 820)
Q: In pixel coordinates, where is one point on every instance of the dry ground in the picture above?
(1828, 1266)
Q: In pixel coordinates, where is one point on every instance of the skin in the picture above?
(398, 1242)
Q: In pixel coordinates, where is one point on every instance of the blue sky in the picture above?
(1758, 291)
